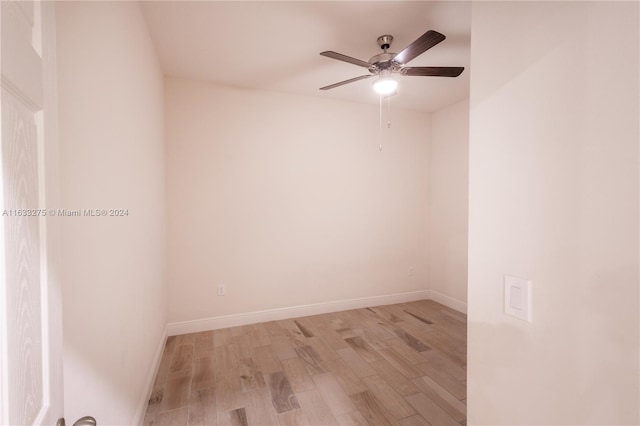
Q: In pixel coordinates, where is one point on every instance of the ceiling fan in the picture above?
(386, 63)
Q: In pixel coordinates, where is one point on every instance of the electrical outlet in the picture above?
(221, 290)
(411, 271)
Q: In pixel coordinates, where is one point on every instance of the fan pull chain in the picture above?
(389, 112)
(380, 127)
(388, 120)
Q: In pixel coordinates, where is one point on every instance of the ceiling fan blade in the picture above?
(351, 80)
(425, 42)
(345, 58)
(433, 71)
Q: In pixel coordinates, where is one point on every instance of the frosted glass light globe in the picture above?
(385, 86)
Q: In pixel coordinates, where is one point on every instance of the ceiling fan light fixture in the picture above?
(385, 85)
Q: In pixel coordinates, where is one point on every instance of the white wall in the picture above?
(287, 201)
(448, 204)
(112, 156)
(554, 198)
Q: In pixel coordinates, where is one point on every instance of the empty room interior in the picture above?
(286, 245)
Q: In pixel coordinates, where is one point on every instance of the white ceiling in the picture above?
(276, 45)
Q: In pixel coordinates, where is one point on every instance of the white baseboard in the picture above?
(151, 377)
(235, 320)
(448, 301)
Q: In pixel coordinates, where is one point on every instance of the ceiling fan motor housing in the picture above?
(383, 61)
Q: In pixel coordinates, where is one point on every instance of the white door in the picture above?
(30, 305)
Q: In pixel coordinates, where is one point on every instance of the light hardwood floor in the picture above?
(401, 364)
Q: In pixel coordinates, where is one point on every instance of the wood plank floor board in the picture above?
(363, 349)
(202, 407)
(403, 315)
(238, 331)
(453, 355)
(273, 328)
(430, 410)
(291, 330)
(238, 417)
(259, 335)
(324, 351)
(293, 418)
(338, 322)
(458, 316)
(453, 386)
(163, 368)
(442, 397)
(229, 391)
(438, 360)
(171, 344)
(203, 374)
(422, 332)
(259, 409)
(282, 394)
(250, 375)
(333, 394)
(400, 383)
(418, 317)
(395, 364)
(453, 326)
(315, 408)
(355, 362)
(408, 352)
(345, 376)
(224, 357)
(177, 390)
(155, 405)
(416, 321)
(313, 362)
(155, 400)
(330, 336)
(400, 363)
(182, 359)
(150, 418)
(454, 329)
(242, 345)
(372, 409)
(447, 341)
(235, 417)
(185, 339)
(416, 420)
(353, 418)
(221, 337)
(411, 340)
(393, 401)
(298, 375)
(282, 347)
(380, 328)
(346, 333)
(306, 331)
(388, 328)
(266, 360)
(375, 336)
(203, 344)
(356, 316)
(385, 314)
(178, 416)
(434, 309)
